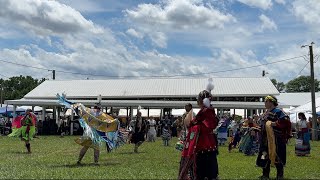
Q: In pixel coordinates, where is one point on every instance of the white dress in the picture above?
(152, 133)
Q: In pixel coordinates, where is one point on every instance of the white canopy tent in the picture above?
(306, 107)
(294, 117)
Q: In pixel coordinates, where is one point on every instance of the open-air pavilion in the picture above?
(164, 94)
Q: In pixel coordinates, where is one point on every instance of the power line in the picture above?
(172, 76)
(24, 65)
(302, 69)
(164, 76)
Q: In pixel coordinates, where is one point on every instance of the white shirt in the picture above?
(302, 124)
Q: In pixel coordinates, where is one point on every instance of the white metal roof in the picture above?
(142, 103)
(295, 99)
(123, 88)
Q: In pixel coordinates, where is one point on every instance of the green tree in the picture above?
(17, 87)
(301, 84)
(279, 85)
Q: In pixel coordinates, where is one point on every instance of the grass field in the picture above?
(54, 158)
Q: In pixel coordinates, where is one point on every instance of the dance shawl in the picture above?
(24, 126)
(98, 128)
(271, 143)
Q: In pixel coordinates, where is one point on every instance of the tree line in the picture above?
(299, 84)
(17, 87)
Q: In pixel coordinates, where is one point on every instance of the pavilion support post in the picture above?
(127, 112)
(71, 124)
(43, 115)
(55, 114)
(8, 117)
(14, 113)
(148, 112)
(245, 113)
(161, 113)
(131, 112)
(32, 108)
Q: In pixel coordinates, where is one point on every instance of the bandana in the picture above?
(270, 98)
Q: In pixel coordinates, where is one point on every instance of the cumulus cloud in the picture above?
(170, 16)
(286, 70)
(307, 11)
(45, 17)
(280, 1)
(90, 51)
(159, 39)
(134, 33)
(173, 13)
(267, 23)
(262, 4)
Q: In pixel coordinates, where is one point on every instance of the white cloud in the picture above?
(98, 6)
(88, 52)
(93, 50)
(262, 4)
(267, 23)
(45, 17)
(99, 61)
(171, 16)
(134, 33)
(288, 70)
(280, 1)
(172, 13)
(159, 39)
(308, 11)
(84, 6)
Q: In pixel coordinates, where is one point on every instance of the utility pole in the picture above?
(313, 96)
(1, 88)
(53, 74)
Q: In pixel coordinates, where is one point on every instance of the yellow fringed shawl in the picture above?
(271, 143)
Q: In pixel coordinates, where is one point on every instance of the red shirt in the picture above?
(206, 121)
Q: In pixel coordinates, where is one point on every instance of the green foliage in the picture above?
(55, 158)
(279, 85)
(18, 86)
(301, 84)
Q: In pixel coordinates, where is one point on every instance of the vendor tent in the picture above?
(306, 107)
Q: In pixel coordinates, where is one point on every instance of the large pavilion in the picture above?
(165, 94)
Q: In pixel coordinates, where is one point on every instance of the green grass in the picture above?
(54, 158)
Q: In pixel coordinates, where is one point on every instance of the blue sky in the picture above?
(157, 38)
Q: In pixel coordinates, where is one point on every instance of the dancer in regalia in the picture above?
(99, 128)
(24, 127)
(275, 132)
(302, 147)
(200, 148)
(249, 143)
(166, 132)
(139, 131)
(152, 134)
(223, 130)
